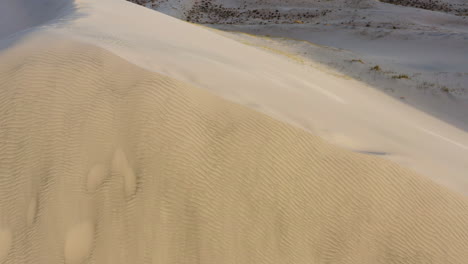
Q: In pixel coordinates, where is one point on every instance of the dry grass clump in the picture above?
(376, 68)
(360, 61)
(400, 76)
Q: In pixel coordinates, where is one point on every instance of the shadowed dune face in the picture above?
(104, 162)
(18, 15)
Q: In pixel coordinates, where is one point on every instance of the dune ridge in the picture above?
(341, 110)
(104, 162)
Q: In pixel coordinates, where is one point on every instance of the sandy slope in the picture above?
(110, 154)
(104, 162)
(421, 53)
(345, 112)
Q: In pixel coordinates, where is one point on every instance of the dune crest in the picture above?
(217, 182)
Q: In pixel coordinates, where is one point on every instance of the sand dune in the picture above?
(113, 149)
(346, 112)
(104, 162)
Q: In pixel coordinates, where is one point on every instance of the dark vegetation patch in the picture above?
(433, 5)
(206, 12)
(376, 68)
(400, 76)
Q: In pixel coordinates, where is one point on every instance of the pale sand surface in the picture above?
(344, 111)
(104, 162)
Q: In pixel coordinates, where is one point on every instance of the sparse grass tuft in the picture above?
(376, 68)
(360, 61)
(445, 89)
(401, 76)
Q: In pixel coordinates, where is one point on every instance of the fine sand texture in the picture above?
(343, 111)
(104, 162)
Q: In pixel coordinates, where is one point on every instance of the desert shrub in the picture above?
(360, 61)
(400, 76)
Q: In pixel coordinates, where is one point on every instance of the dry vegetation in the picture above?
(376, 68)
(400, 76)
(207, 12)
(359, 61)
(434, 5)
